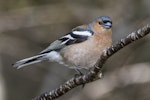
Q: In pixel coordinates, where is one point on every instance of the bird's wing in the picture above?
(77, 35)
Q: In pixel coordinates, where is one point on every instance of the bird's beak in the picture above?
(108, 25)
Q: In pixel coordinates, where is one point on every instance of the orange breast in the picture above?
(84, 54)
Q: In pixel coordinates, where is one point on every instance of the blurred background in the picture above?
(29, 26)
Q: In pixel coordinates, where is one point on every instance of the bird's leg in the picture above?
(78, 72)
(77, 69)
(100, 74)
(84, 68)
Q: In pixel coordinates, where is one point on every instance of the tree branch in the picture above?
(94, 72)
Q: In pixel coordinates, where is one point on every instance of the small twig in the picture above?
(93, 73)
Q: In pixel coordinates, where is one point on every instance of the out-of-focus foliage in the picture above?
(28, 26)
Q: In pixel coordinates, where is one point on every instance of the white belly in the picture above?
(54, 56)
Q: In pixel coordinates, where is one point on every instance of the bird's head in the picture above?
(101, 24)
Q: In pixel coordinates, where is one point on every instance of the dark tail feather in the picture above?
(29, 61)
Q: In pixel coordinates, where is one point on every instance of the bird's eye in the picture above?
(105, 21)
(100, 23)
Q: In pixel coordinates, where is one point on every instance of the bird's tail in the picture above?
(28, 61)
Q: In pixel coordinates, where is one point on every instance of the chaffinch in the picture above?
(80, 48)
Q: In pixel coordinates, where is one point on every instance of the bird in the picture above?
(78, 49)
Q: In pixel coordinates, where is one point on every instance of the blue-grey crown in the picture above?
(105, 18)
